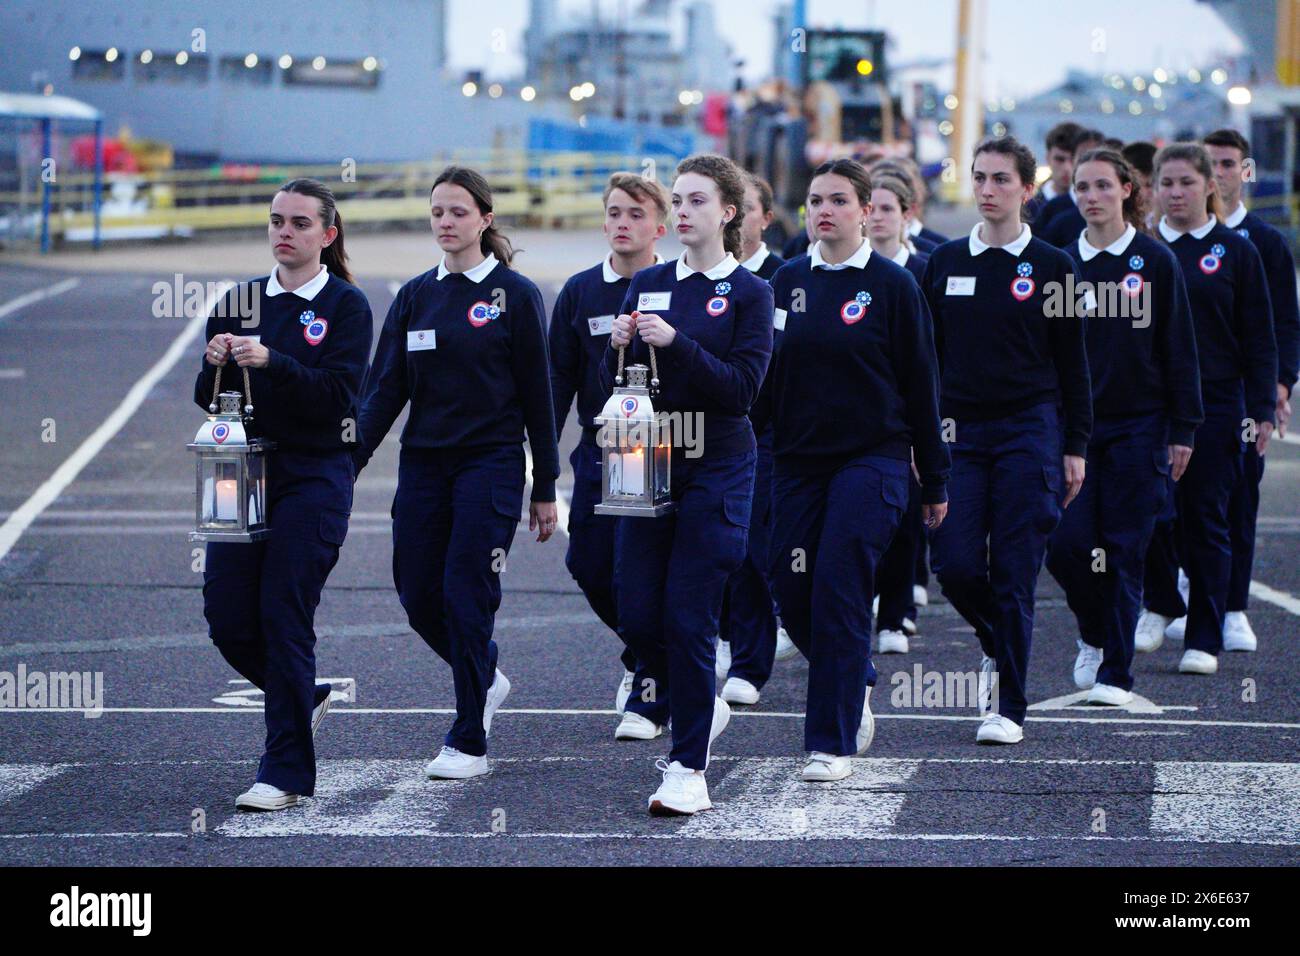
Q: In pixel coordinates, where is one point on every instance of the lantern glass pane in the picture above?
(221, 491)
(256, 490)
(661, 472)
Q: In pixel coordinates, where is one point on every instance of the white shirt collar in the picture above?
(306, 291)
(726, 267)
(1170, 233)
(1049, 191)
(1233, 219)
(1015, 247)
(857, 261)
(755, 262)
(607, 270)
(914, 227)
(1088, 251)
(901, 256)
(477, 274)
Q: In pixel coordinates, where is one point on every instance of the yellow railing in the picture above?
(540, 188)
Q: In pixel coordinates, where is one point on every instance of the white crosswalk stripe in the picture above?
(18, 778)
(1228, 802)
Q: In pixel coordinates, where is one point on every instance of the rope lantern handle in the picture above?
(654, 369)
(248, 391)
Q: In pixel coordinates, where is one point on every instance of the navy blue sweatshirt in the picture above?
(1063, 231)
(1232, 313)
(719, 355)
(856, 373)
(999, 352)
(1142, 364)
(915, 264)
(580, 325)
(930, 236)
(1050, 210)
(476, 377)
(304, 397)
(1279, 267)
(771, 263)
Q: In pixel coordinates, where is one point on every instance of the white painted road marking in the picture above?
(242, 693)
(1138, 705)
(1228, 802)
(37, 295)
(66, 473)
(1279, 598)
(17, 778)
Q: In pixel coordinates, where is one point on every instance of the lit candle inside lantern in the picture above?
(227, 502)
(634, 472)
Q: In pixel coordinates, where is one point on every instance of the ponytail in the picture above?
(334, 257)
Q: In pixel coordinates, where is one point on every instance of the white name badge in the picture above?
(778, 319)
(601, 324)
(421, 341)
(961, 285)
(650, 301)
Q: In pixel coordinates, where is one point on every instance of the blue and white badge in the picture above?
(1136, 262)
(863, 297)
(1244, 233)
(306, 317)
(1131, 284)
(1025, 270)
(481, 313)
(1210, 264)
(853, 311)
(1022, 287)
(716, 306)
(722, 288)
(1217, 250)
(315, 331)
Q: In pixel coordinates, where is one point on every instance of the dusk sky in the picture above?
(1029, 45)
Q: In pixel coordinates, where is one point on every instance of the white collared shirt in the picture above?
(858, 260)
(901, 256)
(914, 227)
(755, 262)
(726, 267)
(1087, 251)
(1233, 219)
(1170, 233)
(607, 269)
(477, 274)
(1049, 191)
(306, 291)
(1015, 247)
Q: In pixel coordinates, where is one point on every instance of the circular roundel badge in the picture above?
(722, 288)
(306, 317)
(716, 306)
(220, 432)
(852, 311)
(863, 297)
(1244, 233)
(1022, 287)
(481, 313)
(1025, 270)
(1217, 250)
(1136, 262)
(1210, 264)
(629, 406)
(1131, 284)
(315, 332)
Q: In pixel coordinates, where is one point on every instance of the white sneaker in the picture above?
(891, 642)
(722, 665)
(823, 768)
(1238, 635)
(721, 717)
(1150, 633)
(920, 597)
(1109, 695)
(1198, 662)
(909, 626)
(875, 605)
(997, 729)
(263, 796)
(635, 727)
(682, 793)
(985, 689)
(1177, 628)
(496, 694)
(451, 764)
(867, 726)
(1184, 585)
(320, 710)
(737, 690)
(785, 648)
(624, 691)
(1086, 664)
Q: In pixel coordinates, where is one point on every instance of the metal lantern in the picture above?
(230, 489)
(636, 448)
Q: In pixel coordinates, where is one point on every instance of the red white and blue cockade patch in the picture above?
(1131, 284)
(1210, 264)
(1218, 251)
(1025, 270)
(629, 406)
(716, 306)
(481, 313)
(314, 332)
(220, 432)
(1022, 287)
(1136, 262)
(853, 310)
(722, 288)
